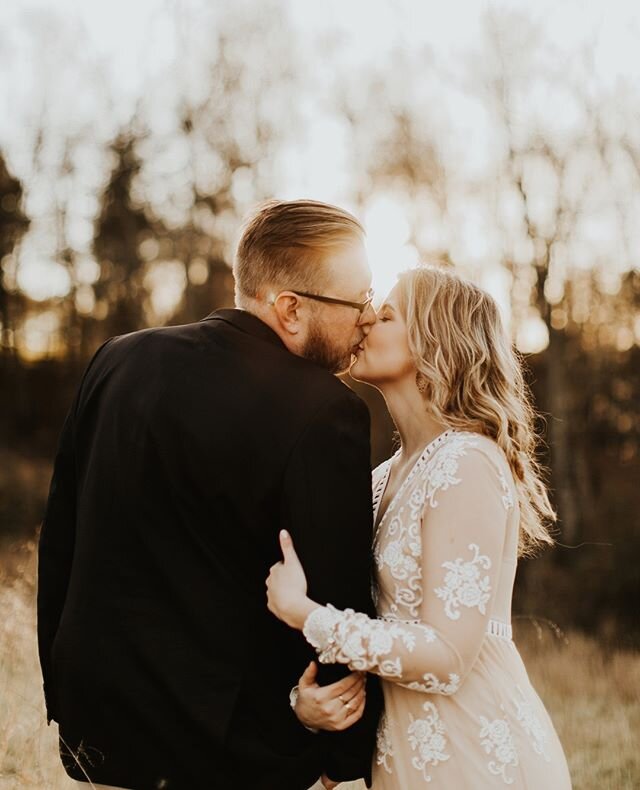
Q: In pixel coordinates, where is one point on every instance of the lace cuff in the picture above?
(318, 630)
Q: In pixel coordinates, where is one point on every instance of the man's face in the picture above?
(335, 331)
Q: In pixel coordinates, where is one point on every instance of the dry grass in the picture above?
(28, 748)
(592, 694)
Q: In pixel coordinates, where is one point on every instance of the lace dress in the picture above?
(460, 711)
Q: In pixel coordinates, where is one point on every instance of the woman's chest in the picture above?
(397, 552)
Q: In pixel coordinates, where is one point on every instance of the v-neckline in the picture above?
(378, 495)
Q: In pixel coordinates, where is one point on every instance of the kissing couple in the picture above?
(198, 461)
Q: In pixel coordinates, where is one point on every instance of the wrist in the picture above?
(293, 701)
(299, 618)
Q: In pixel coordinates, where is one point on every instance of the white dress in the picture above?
(460, 711)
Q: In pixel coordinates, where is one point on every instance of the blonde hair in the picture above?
(284, 242)
(474, 381)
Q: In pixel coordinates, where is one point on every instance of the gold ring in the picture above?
(348, 706)
(341, 700)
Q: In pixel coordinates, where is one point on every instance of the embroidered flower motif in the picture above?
(463, 585)
(431, 685)
(507, 496)
(498, 741)
(429, 633)
(416, 500)
(353, 638)
(380, 641)
(532, 725)
(427, 738)
(443, 470)
(384, 746)
(401, 556)
(401, 565)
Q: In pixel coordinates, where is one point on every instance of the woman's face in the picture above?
(385, 357)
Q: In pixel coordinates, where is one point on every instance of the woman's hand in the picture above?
(334, 707)
(287, 587)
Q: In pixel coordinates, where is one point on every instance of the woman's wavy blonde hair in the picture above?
(474, 381)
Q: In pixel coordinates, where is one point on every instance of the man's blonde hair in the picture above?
(283, 245)
(474, 381)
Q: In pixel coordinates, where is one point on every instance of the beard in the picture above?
(319, 349)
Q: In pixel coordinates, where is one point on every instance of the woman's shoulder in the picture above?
(469, 451)
(471, 442)
(470, 461)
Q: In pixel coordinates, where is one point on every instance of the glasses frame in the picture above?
(359, 306)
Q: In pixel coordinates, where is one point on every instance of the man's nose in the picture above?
(368, 316)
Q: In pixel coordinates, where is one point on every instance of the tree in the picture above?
(13, 225)
(120, 228)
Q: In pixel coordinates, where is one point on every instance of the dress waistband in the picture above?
(500, 629)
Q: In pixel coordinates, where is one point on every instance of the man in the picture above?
(185, 452)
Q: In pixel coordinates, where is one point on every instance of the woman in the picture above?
(453, 510)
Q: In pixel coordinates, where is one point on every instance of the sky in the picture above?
(119, 48)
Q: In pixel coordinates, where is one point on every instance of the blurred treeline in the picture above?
(555, 205)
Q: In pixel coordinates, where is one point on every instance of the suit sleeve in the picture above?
(56, 546)
(328, 511)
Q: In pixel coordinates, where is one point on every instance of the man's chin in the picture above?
(343, 368)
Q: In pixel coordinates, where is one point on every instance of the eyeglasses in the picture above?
(360, 306)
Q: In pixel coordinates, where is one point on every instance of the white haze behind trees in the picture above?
(502, 137)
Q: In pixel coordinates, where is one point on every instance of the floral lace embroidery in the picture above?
(498, 741)
(402, 565)
(427, 738)
(432, 685)
(402, 551)
(464, 586)
(532, 725)
(402, 557)
(442, 472)
(507, 496)
(352, 638)
(384, 745)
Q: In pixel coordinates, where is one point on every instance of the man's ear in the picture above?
(287, 306)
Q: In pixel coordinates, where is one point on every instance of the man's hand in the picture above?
(335, 707)
(328, 783)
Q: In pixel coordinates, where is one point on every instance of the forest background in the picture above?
(506, 145)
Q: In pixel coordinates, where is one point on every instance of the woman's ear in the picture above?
(286, 306)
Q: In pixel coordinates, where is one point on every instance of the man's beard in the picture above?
(320, 350)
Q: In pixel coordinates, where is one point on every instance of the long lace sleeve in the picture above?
(462, 533)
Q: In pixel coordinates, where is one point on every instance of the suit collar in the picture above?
(246, 322)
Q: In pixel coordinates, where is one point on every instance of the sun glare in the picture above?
(390, 251)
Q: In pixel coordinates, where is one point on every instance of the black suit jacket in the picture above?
(185, 452)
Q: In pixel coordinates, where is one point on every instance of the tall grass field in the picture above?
(592, 693)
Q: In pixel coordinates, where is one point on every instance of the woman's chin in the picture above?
(358, 371)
